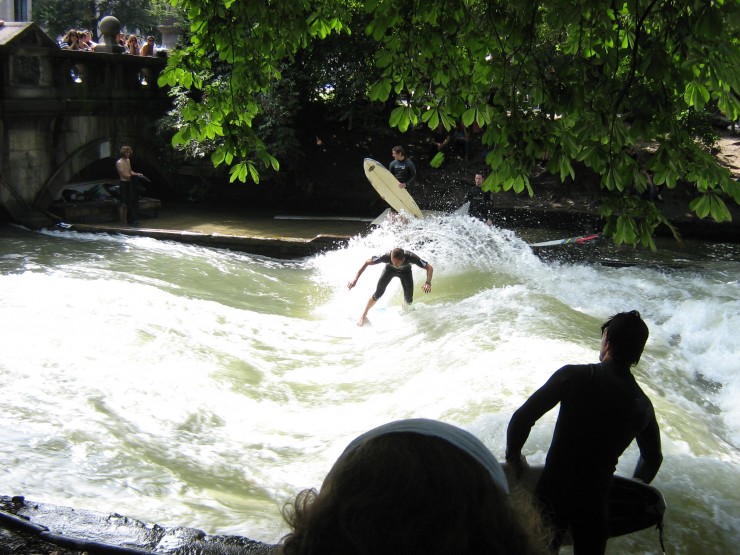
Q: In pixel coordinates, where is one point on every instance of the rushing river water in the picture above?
(200, 387)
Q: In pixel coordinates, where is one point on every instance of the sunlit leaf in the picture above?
(437, 160)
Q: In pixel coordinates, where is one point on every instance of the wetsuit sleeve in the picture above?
(411, 181)
(386, 258)
(414, 259)
(651, 455)
(540, 402)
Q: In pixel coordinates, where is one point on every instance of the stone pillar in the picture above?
(109, 28)
(170, 33)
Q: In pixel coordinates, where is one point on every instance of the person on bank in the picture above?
(397, 264)
(128, 189)
(602, 409)
(481, 202)
(413, 487)
(402, 168)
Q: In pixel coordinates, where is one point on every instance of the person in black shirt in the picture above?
(481, 202)
(397, 264)
(402, 168)
(602, 409)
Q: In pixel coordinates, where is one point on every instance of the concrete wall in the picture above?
(7, 10)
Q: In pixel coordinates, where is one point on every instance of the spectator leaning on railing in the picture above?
(132, 45)
(148, 48)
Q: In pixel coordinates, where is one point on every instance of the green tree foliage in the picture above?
(57, 17)
(235, 58)
(576, 83)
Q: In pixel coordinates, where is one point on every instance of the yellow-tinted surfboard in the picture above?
(386, 184)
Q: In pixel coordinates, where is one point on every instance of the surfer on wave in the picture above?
(397, 264)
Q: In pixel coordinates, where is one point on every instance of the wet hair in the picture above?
(399, 150)
(406, 493)
(626, 334)
(397, 253)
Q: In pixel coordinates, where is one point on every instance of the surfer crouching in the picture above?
(397, 264)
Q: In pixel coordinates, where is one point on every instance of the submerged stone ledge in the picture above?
(274, 247)
(31, 528)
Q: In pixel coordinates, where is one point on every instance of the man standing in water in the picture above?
(128, 210)
(397, 264)
(602, 409)
(402, 168)
(481, 202)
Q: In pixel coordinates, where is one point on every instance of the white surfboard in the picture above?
(387, 214)
(386, 184)
(463, 210)
(382, 218)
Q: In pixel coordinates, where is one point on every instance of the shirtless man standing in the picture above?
(128, 210)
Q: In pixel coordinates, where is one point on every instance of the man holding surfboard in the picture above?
(397, 264)
(602, 409)
(402, 168)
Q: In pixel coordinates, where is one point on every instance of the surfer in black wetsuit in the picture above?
(402, 168)
(397, 264)
(481, 202)
(602, 409)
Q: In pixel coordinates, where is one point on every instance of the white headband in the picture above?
(463, 440)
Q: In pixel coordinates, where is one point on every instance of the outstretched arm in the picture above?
(427, 287)
(352, 283)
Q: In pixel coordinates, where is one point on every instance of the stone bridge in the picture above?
(64, 116)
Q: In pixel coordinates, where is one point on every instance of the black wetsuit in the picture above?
(481, 203)
(602, 409)
(403, 272)
(403, 170)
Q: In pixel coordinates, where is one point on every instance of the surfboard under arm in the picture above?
(387, 187)
(633, 505)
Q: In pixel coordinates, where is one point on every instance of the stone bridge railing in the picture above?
(58, 106)
(55, 80)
